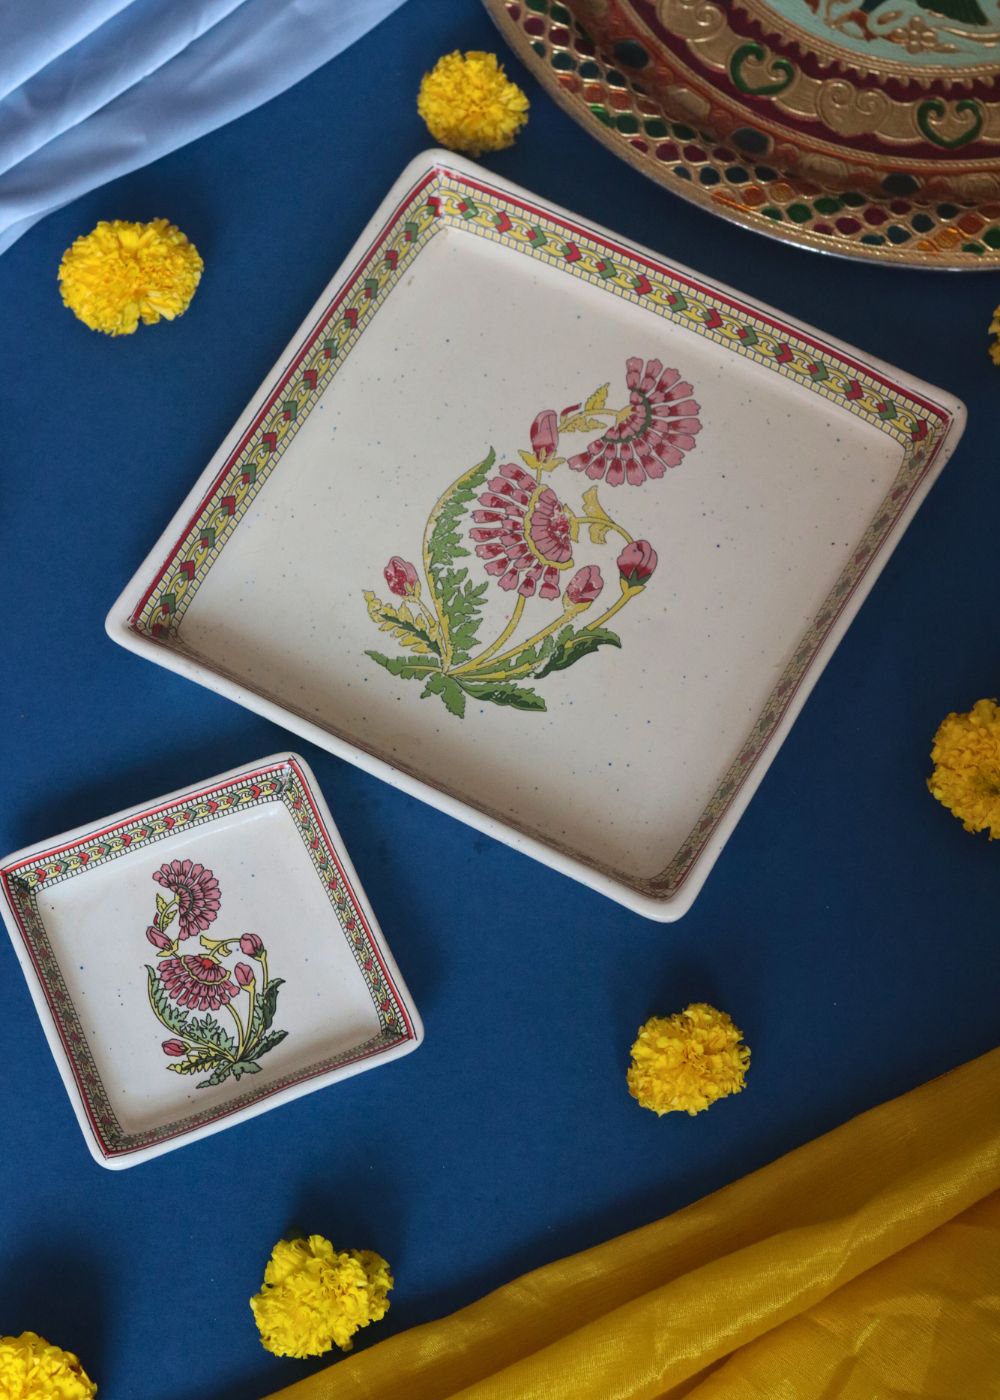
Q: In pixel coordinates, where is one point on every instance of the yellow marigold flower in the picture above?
(122, 273)
(32, 1369)
(469, 103)
(966, 777)
(683, 1063)
(314, 1297)
(995, 332)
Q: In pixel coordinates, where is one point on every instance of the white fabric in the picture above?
(96, 88)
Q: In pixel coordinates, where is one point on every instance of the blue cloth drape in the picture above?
(94, 88)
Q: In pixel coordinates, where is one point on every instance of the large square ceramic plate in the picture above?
(542, 530)
(203, 958)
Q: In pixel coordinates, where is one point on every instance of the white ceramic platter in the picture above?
(601, 523)
(203, 958)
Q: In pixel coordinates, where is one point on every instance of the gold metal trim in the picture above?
(946, 241)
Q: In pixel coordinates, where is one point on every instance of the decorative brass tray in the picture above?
(605, 94)
(544, 621)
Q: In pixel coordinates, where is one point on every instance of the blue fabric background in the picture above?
(850, 927)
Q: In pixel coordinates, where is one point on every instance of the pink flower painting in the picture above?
(637, 563)
(523, 533)
(184, 989)
(526, 535)
(401, 578)
(586, 584)
(544, 434)
(198, 982)
(658, 427)
(196, 891)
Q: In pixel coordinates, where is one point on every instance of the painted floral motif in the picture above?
(586, 584)
(184, 983)
(651, 434)
(524, 534)
(401, 578)
(636, 563)
(972, 23)
(197, 893)
(199, 982)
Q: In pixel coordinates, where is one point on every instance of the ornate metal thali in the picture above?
(885, 148)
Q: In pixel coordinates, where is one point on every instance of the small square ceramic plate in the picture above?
(543, 530)
(202, 959)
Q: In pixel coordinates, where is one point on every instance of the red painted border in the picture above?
(8, 871)
(297, 360)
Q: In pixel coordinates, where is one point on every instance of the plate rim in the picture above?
(660, 908)
(119, 1158)
(794, 235)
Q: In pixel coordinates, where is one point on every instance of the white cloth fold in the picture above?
(32, 35)
(79, 82)
(126, 83)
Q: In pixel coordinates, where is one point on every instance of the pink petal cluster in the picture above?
(523, 533)
(659, 429)
(637, 562)
(197, 891)
(585, 585)
(401, 578)
(545, 434)
(199, 982)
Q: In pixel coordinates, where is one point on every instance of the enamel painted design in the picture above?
(525, 535)
(185, 982)
(24, 882)
(671, 133)
(930, 33)
(890, 98)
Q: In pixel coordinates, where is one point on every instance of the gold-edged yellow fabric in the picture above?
(863, 1266)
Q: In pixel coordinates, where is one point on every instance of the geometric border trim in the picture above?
(284, 783)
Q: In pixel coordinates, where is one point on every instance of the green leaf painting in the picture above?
(503, 523)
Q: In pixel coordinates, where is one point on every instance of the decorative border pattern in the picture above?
(448, 199)
(290, 401)
(750, 71)
(284, 783)
(608, 94)
(464, 203)
(299, 803)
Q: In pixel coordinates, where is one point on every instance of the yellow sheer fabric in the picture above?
(863, 1266)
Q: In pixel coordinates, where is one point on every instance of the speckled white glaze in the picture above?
(95, 921)
(752, 530)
